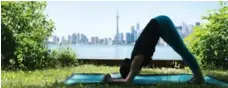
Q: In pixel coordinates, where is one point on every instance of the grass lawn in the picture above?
(52, 78)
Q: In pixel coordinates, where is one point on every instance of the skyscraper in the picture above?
(74, 38)
(132, 34)
(55, 39)
(190, 29)
(110, 41)
(92, 40)
(135, 35)
(179, 29)
(78, 38)
(138, 30)
(96, 40)
(121, 38)
(69, 39)
(82, 38)
(184, 29)
(137, 26)
(86, 39)
(128, 38)
(63, 40)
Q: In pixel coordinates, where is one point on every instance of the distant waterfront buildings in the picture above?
(69, 39)
(124, 38)
(133, 34)
(74, 38)
(55, 40)
(129, 37)
(63, 40)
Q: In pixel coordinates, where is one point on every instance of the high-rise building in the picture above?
(63, 40)
(101, 41)
(121, 38)
(110, 41)
(128, 38)
(137, 26)
(139, 33)
(106, 41)
(55, 39)
(185, 29)
(74, 38)
(190, 29)
(116, 39)
(138, 30)
(82, 38)
(135, 35)
(93, 40)
(58, 39)
(69, 39)
(96, 40)
(179, 29)
(78, 38)
(86, 39)
(132, 34)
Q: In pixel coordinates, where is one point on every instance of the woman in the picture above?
(160, 26)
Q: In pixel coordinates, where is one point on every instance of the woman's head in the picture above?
(125, 67)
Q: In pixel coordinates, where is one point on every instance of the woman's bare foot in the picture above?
(196, 80)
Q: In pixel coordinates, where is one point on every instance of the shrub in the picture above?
(63, 57)
(25, 29)
(209, 42)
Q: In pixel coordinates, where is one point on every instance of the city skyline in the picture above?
(128, 38)
(99, 18)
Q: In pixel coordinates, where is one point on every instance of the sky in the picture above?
(98, 18)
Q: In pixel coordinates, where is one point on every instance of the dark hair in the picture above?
(125, 68)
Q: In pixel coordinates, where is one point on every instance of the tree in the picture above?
(209, 42)
(24, 30)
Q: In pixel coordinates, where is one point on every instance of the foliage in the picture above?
(63, 57)
(25, 29)
(209, 42)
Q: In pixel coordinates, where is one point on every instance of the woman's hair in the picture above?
(125, 68)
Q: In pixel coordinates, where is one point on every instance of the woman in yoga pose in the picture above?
(160, 26)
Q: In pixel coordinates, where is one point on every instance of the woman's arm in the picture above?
(134, 70)
(135, 67)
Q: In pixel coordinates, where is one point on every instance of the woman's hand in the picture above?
(108, 79)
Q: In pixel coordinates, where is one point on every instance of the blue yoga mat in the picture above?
(77, 78)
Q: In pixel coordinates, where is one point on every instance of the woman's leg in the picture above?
(171, 36)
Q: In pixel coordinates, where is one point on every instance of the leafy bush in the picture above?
(209, 42)
(25, 29)
(63, 57)
(24, 32)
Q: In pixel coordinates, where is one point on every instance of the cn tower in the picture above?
(117, 27)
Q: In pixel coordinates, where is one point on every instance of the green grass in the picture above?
(52, 78)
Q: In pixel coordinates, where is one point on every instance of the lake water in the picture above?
(117, 52)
